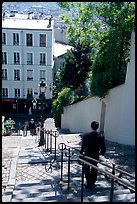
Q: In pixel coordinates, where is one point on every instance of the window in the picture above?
(16, 74)
(42, 40)
(3, 38)
(29, 93)
(16, 58)
(4, 58)
(29, 39)
(30, 75)
(42, 58)
(42, 75)
(4, 74)
(5, 92)
(29, 58)
(15, 38)
(17, 92)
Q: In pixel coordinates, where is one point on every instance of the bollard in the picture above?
(62, 148)
(112, 184)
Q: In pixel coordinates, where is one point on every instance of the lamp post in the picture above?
(43, 87)
(34, 102)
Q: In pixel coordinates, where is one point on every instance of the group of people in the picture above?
(29, 126)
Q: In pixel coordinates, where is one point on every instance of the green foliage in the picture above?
(109, 68)
(63, 99)
(76, 66)
(57, 86)
(107, 27)
(8, 125)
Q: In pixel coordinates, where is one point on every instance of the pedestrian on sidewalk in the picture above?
(93, 144)
(26, 128)
(32, 126)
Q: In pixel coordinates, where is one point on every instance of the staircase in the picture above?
(101, 191)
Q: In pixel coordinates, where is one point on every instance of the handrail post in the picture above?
(68, 169)
(112, 184)
(68, 155)
(61, 163)
(55, 134)
(55, 145)
(82, 182)
(45, 138)
(50, 142)
(62, 148)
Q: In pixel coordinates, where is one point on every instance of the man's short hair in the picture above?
(94, 125)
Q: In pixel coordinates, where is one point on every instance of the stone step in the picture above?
(118, 196)
(41, 191)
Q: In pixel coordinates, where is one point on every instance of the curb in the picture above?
(7, 196)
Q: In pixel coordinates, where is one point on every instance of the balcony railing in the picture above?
(17, 78)
(4, 78)
(30, 78)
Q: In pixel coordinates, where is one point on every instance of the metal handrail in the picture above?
(125, 183)
(117, 169)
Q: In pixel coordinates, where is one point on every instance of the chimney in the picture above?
(50, 19)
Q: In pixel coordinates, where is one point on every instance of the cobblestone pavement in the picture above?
(35, 177)
(122, 155)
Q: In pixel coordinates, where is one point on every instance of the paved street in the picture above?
(30, 174)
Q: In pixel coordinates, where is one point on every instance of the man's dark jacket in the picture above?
(93, 144)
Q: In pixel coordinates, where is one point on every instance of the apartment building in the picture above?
(27, 59)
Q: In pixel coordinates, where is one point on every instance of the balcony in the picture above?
(4, 78)
(17, 78)
(29, 78)
(42, 63)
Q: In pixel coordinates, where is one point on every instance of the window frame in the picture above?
(41, 74)
(17, 95)
(30, 61)
(15, 38)
(29, 39)
(30, 78)
(3, 38)
(4, 57)
(16, 74)
(41, 39)
(16, 58)
(5, 92)
(42, 59)
(4, 74)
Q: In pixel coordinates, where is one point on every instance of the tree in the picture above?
(65, 96)
(76, 66)
(107, 26)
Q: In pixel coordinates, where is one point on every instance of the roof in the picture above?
(60, 49)
(22, 22)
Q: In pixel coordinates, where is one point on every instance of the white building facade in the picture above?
(27, 59)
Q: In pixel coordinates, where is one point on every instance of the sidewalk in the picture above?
(31, 178)
(34, 176)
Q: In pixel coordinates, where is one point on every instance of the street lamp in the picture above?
(43, 87)
(34, 102)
